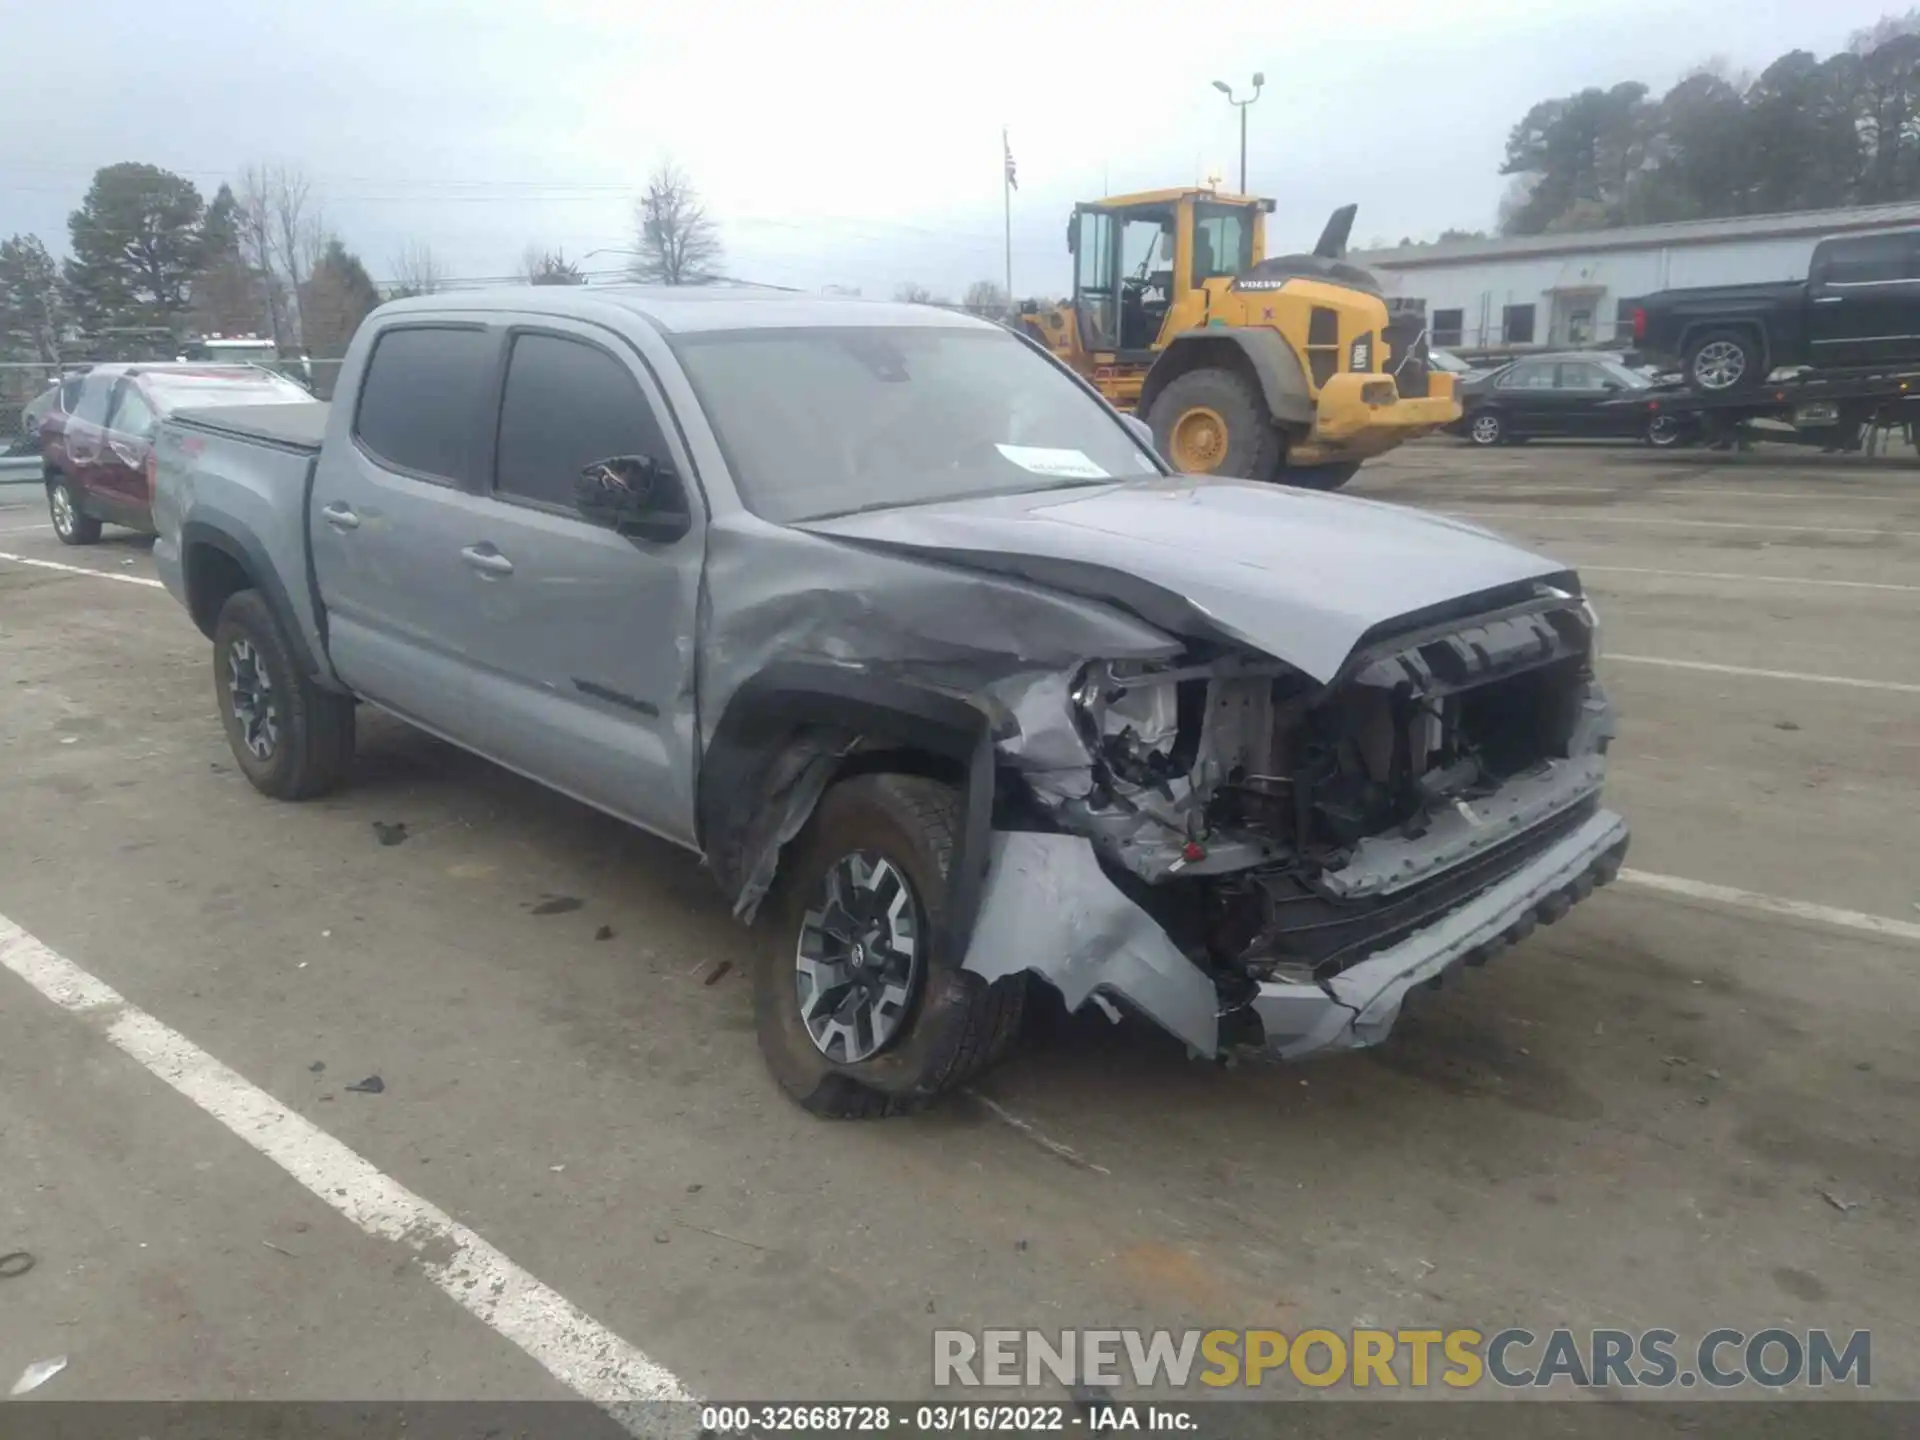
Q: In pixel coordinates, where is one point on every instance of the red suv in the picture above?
(97, 438)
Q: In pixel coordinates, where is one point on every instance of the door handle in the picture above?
(487, 560)
(1828, 299)
(340, 516)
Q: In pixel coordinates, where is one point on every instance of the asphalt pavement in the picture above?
(1690, 1104)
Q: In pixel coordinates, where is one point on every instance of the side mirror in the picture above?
(1142, 432)
(1610, 385)
(634, 495)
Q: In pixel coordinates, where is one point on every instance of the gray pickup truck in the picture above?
(890, 618)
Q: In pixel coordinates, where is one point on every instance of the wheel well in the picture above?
(1703, 328)
(1190, 355)
(213, 577)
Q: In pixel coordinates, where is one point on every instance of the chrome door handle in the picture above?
(1828, 299)
(340, 516)
(487, 560)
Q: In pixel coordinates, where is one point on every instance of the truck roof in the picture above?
(683, 309)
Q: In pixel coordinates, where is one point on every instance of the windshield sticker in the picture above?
(1073, 464)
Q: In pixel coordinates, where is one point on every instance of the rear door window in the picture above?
(131, 413)
(91, 407)
(566, 405)
(423, 399)
(1529, 375)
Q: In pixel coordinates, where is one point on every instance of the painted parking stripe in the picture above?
(1611, 656)
(1773, 905)
(1757, 579)
(1684, 491)
(22, 529)
(571, 1345)
(81, 570)
(1676, 522)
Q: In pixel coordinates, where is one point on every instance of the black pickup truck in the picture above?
(1858, 306)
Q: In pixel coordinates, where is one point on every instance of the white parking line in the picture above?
(571, 1345)
(1731, 575)
(22, 529)
(1685, 490)
(81, 570)
(1610, 656)
(1773, 904)
(1583, 517)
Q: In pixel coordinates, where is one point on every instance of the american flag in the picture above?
(1013, 182)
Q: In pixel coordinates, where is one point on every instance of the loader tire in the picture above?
(1214, 422)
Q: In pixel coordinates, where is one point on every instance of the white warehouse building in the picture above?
(1573, 290)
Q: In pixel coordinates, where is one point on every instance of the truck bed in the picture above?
(298, 426)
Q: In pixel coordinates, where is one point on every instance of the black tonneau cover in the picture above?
(297, 426)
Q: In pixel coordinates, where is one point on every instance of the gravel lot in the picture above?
(1681, 1107)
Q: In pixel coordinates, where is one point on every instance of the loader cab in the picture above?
(1142, 264)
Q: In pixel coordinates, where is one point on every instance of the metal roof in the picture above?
(1645, 237)
(680, 309)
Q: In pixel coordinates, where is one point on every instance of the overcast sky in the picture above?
(838, 143)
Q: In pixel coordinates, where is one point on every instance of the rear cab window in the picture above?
(567, 403)
(423, 398)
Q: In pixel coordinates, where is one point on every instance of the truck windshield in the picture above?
(819, 422)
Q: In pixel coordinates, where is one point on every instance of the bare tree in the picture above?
(679, 243)
(987, 298)
(549, 267)
(281, 236)
(914, 293)
(417, 271)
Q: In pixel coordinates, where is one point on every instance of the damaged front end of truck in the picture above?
(1259, 860)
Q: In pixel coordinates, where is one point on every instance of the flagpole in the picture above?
(1006, 194)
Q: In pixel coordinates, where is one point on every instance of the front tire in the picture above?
(860, 1011)
(69, 524)
(1721, 362)
(292, 739)
(1486, 428)
(1214, 422)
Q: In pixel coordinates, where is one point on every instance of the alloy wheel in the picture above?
(62, 511)
(1486, 429)
(1719, 365)
(251, 689)
(859, 957)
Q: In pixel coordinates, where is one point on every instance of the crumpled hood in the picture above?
(1293, 573)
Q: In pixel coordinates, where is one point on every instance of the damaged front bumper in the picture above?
(1047, 895)
(1359, 1006)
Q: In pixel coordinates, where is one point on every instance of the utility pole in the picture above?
(1010, 185)
(1241, 105)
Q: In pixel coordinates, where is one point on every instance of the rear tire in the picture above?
(1485, 427)
(69, 524)
(1214, 422)
(1321, 477)
(1721, 362)
(292, 739)
(1668, 432)
(868, 880)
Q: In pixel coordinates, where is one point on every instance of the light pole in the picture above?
(1241, 105)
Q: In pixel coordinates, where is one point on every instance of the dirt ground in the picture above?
(1678, 1108)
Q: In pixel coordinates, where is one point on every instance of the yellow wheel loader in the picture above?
(1283, 369)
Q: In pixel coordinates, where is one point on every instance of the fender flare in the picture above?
(1283, 384)
(235, 540)
(752, 790)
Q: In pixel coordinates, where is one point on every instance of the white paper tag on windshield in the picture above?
(1072, 464)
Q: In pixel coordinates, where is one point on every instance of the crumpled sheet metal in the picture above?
(1050, 909)
(775, 593)
(810, 773)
